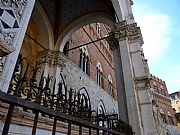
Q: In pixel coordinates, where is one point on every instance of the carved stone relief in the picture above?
(142, 83)
(128, 31)
(11, 12)
(16, 6)
(112, 41)
(2, 59)
(52, 58)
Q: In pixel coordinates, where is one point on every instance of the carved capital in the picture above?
(58, 59)
(129, 32)
(112, 41)
(52, 58)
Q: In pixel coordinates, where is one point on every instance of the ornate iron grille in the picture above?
(59, 103)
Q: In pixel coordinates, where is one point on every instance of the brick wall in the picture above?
(98, 52)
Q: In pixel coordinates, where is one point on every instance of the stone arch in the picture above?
(80, 22)
(47, 24)
(39, 36)
(40, 31)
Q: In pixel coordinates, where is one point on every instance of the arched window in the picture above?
(98, 28)
(66, 47)
(99, 75)
(163, 116)
(110, 85)
(84, 59)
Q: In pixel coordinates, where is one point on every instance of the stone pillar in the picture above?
(142, 79)
(136, 78)
(121, 94)
(51, 62)
(14, 18)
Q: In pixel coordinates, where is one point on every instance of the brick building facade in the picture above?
(95, 59)
(162, 100)
(175, 101)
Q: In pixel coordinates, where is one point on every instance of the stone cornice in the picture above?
(130, 32)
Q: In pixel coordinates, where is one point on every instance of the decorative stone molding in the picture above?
(11, 12)
(112, 41)
(17, 5)
(2, 60)
(52, 58)
(142, 83)
(130, 32)
(145, 63)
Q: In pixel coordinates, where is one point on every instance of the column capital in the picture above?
(130, 32)
(52, 58)
(112, 41)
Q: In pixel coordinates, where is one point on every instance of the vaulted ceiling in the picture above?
(61, 13)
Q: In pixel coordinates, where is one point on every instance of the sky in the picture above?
(159, 21)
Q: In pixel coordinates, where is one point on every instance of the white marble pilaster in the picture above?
(142, 77)
(127, 34)
(121, 94)
(13, 34)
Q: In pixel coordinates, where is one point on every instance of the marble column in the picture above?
(14, 18)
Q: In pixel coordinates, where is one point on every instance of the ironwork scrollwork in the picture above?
(60, 98)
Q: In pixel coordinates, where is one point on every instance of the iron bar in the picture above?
(69, 128)
(60, 116)
(54, 126)
(80, 130)
(86, 44)
(8, 119)
(97, 132)
(12, 105)
(89, 131)
(35, 123)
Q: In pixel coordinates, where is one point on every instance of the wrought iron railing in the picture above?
(58, 102)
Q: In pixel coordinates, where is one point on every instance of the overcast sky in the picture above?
(159, 21)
